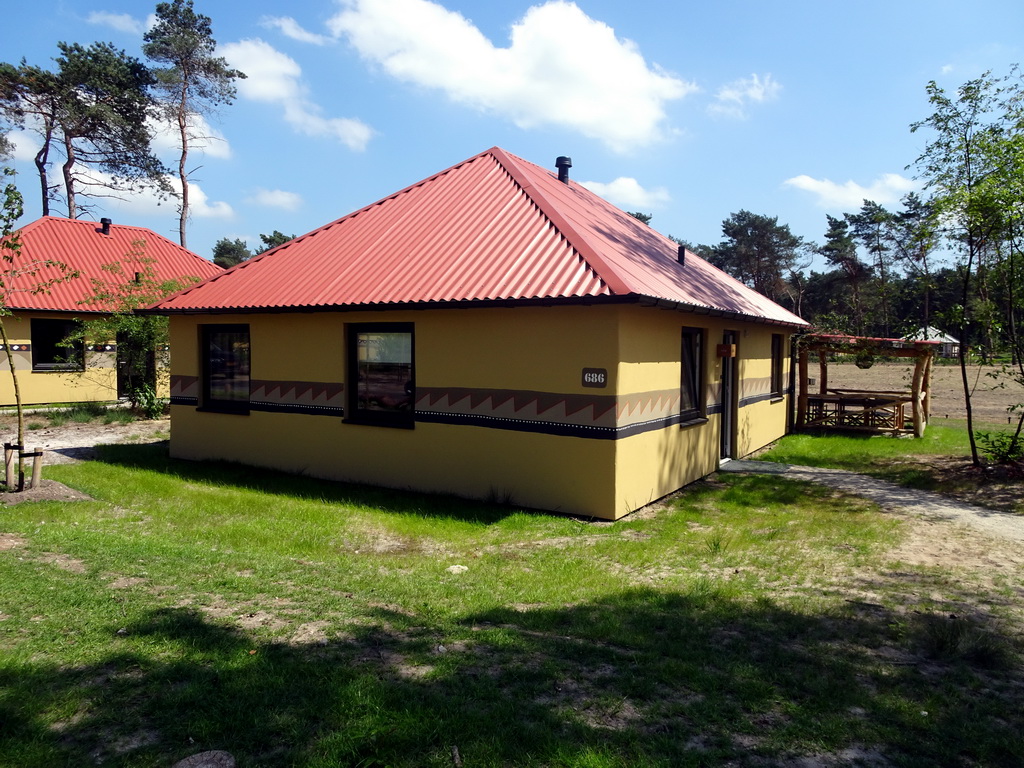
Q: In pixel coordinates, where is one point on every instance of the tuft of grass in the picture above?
(57, 418)
(950, 637)
(77, 413)
(119, 416)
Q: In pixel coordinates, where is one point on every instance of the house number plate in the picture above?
(595, 377)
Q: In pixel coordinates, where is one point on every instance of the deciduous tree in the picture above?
(12, 270)
(142, 340)
(958, 165)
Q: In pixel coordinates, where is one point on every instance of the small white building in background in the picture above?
(950, 347)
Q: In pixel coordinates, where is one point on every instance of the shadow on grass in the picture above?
(154, 457)
(640, 678)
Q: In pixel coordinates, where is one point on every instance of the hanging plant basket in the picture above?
(865, 358)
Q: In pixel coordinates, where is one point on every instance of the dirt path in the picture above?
(72, 442)
(894, 498)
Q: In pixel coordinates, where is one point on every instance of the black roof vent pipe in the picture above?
(563, 164)
(681, 255)
(105, 226)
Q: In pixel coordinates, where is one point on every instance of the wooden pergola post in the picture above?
(801, 401)
(917, 397)
(926, 384)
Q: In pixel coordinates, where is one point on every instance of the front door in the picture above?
(729, 400)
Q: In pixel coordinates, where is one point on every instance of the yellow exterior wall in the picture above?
(763, 421)
(98, 382)
(525, 349)
(494, 348)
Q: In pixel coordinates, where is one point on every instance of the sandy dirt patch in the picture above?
(989, 400)
(72, 442)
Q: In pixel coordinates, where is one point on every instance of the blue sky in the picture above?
(689, 111)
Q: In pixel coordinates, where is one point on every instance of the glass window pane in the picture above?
(384, 371)
(692, 359)
(228, 365)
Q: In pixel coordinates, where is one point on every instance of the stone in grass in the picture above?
(456, 569)
(216, 758)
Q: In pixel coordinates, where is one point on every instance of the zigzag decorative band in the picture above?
(595, 416)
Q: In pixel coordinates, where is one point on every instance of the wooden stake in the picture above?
(37, 467)
(9, 465)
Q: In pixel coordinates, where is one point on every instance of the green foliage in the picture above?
(142, 340)
(118, 416)
(841, 251)
(1001, 447)
(272, 241)
(227, 253)
(759, 251)
(79, 413)
(644, 217)
(146, 402)
(93, 111)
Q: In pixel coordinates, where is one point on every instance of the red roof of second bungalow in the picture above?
(494, 228)
(87, 253)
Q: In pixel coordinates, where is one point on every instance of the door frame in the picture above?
(729, 389)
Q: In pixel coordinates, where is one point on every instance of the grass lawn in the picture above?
(750, 621)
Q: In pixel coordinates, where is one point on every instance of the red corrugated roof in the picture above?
(492, 228)
(83, 248)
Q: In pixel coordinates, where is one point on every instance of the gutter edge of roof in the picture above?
(631, 298)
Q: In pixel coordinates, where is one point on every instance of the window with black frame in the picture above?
(381, 375)
(226, 363)
(51, 348)
(691, 402)
(777, 349)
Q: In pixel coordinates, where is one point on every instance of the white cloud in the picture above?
(26, 144)
(289, 27)
(626, 192)
(732, 99)
(888, 188)
(142, 202)
(122, 22)
(946, 69)
(275, 78)
(148, 203)
(276, 198)
(203, 138)
(561, 68)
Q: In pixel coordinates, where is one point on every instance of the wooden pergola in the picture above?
(861, 409)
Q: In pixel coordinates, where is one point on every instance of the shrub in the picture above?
(147, 404)
(1001, 447)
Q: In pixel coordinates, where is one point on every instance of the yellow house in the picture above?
(66, 257)
(495, 331)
